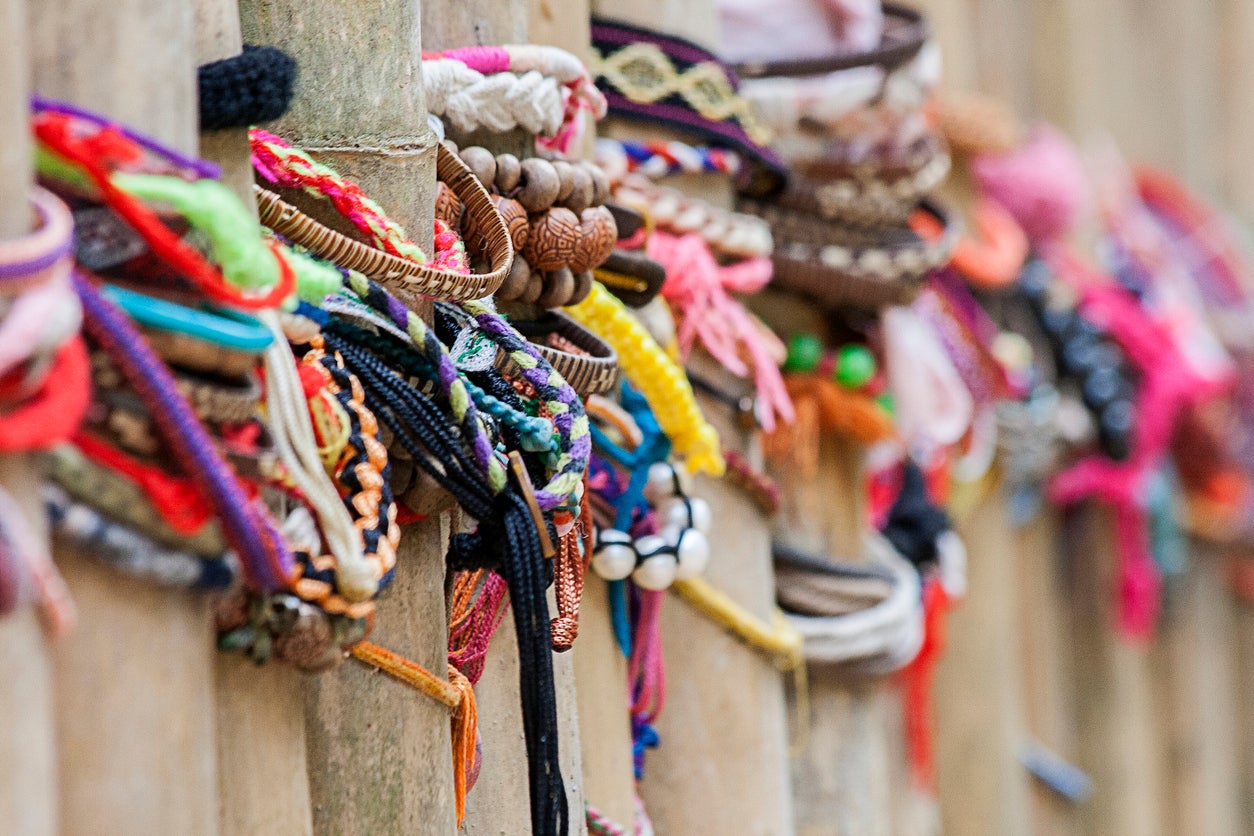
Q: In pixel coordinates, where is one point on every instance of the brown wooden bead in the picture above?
(583, 286)
(553, 238)
(448, 206)
(516, 221)
(508, 172)
(515, 284)
(580, 197)
(565, 179)
(482, 162)
(558, 286)
(539, 185)
(600, 183)
(308, 645)
(597, 236)
(535, 286)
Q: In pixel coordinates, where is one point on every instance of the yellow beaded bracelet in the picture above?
(660, 379)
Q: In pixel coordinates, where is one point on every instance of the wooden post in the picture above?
(1193, 668)
(1243, 655)
(979, 725)
(1115, 722)
(1048, 682)
(135, 681)
(722, 764)
(28, 760)
(380, 757)
(260, 709)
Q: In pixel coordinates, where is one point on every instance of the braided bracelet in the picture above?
(662, 159)
(663, 383)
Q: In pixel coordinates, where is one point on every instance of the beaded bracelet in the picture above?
(732, 234)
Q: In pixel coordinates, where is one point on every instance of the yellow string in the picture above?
(409, 672)
(779, 640)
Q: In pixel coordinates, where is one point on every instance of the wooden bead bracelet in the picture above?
(554, 212)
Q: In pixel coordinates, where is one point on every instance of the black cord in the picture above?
(250, 88)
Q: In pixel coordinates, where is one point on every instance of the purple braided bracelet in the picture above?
(246, 523)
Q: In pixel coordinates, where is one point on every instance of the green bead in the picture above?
(886, 403)
(855, 366)
(804, 353)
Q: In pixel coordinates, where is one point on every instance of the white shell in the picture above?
(693, 552)
(655, 573)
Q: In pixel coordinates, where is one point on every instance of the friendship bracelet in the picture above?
(662, 159)
(131, 552)
(651, 77)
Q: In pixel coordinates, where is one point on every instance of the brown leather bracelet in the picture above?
(407, 279)
(593, 372)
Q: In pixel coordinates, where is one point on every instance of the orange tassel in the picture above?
(465, 735)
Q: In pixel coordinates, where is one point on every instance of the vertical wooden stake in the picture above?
(979, 724)
(135, 681)
(28, 765)
(260, 709)
(380, 758)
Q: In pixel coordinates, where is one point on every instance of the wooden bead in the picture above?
(535, 287)
(309, 644)
(600, 183)
(565, 179)
(539, 185)
(508, 172)
(482, 162)
(597, 236)
(516, 221)
(553, 238)
(580, 197)
(448, 206)
(452, 147)
(583, 286)
(515, 284)
(558, 287)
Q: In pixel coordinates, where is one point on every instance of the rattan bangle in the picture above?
(866, 195)
(849, 266)
(406, 279)
(592, 372)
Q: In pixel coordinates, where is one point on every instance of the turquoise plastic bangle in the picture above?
(229, 329)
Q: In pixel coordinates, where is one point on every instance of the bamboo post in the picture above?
(379, 753)
(260, 709)
(600, 668)
(1194, 670)
(28, 757)
(979, 725)
(722, 764)
(1115, 722)
(135, 681)
(1243, 656)
(1048, 681)
(501, 801)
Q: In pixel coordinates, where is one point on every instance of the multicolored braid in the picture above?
(363, 468)
(246, 522)
(574, 440)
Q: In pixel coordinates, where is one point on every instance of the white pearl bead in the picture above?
(615, 556)
(694, 554)
(655, 573)
(660, 483)
(702, 516)
(673, 513)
